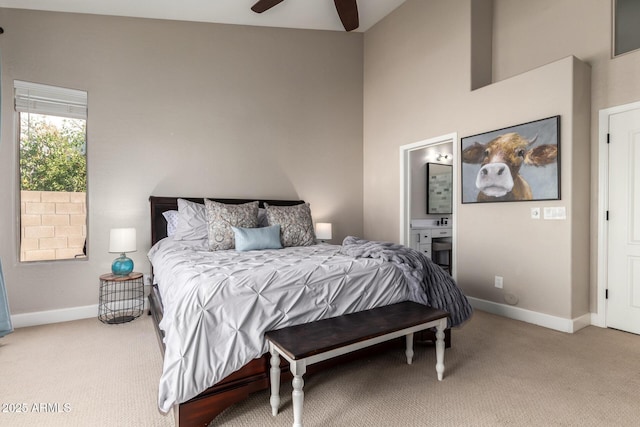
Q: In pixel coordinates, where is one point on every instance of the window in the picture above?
(626, 31)
(52, 139)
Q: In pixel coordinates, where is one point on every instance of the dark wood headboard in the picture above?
(163, 204)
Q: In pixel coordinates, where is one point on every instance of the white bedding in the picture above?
(218, 305)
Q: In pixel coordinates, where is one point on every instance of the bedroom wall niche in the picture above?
(481, 43)
(626, 34)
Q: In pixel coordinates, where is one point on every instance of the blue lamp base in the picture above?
(122, 266)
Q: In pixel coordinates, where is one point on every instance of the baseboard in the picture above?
(54, 316)
(541, 319)
(516, 313)
(598, 320)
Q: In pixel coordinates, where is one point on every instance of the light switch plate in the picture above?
(535, 213)
(557, 212)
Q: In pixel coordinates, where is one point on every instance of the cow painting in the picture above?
(501, 160)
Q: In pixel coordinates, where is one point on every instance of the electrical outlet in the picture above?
(499, 282)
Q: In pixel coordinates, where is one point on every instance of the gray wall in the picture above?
(568, 27)
(267, 97)
(422, 72)
(179, 108)
(418, 64)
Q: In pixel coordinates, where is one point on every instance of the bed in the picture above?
(192, 304)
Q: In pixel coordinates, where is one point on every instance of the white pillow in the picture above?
(172, 221)
(192, 221)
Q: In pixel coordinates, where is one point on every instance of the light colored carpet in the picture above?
(82, 373)
(499, 372)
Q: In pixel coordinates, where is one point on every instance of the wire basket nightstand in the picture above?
(121, 298)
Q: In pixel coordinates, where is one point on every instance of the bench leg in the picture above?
(275, 381)
(298, 369)
(440, 348)
(409, 350)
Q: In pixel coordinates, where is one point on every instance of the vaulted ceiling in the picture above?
(308, 14)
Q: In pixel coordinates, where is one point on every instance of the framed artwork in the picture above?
(516, 163)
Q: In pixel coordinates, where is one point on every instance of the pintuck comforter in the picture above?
(218, 305)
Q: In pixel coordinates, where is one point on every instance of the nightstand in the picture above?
(121, 298)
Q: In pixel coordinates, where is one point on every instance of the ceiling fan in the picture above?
(347, 11)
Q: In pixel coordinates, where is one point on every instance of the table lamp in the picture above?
(323, 231)
(122, 240)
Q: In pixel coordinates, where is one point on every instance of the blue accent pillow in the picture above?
(248, 239)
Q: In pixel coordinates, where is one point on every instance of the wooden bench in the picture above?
(306, 344)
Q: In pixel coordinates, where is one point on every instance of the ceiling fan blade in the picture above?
(262, 5)
(348, 13)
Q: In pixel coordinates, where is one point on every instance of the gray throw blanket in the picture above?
(430, 284)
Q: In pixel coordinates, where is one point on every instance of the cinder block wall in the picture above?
(52, 225)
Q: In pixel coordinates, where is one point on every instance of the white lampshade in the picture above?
(122, 240)
(323, 230)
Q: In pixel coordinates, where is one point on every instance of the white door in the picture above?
(623, 281)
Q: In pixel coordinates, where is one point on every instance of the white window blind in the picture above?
(56, 101)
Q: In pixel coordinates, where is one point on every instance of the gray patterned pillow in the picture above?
(220, 218)
(296, 225)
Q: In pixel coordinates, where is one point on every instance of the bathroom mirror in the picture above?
(439, 188)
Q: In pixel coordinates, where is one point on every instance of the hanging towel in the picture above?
(5, 317)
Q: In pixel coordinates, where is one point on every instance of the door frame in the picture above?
(599, 318)
(405, 186)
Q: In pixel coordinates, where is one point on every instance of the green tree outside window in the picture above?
(52, 153)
